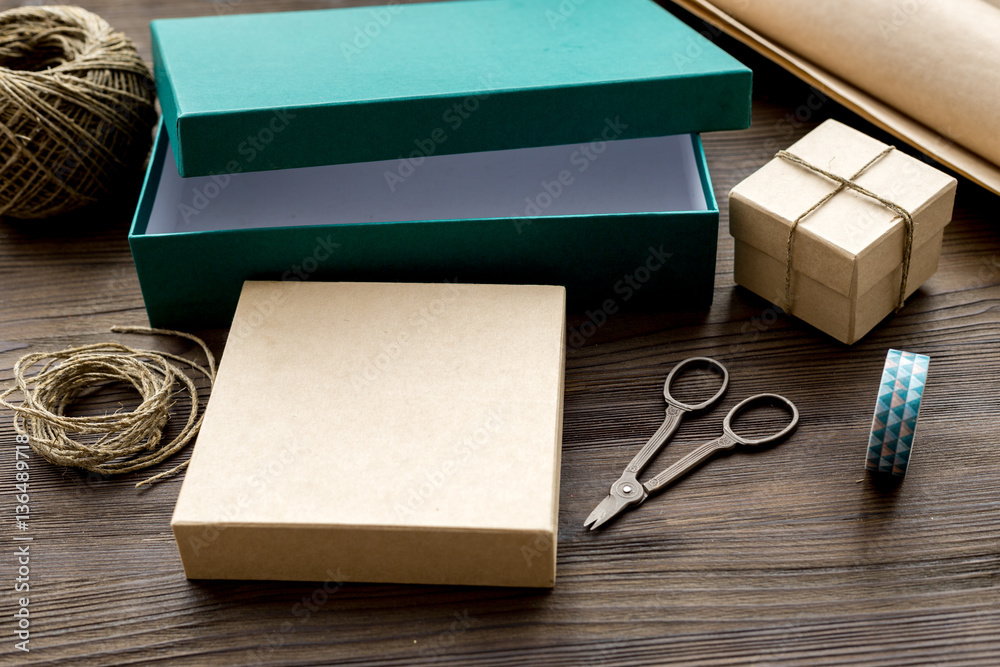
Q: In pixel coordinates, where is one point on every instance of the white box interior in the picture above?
(657, 174)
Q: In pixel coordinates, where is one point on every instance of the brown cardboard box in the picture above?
(380, 432)
(847, 254)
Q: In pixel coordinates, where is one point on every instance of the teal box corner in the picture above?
(296, 89)
(513, 216)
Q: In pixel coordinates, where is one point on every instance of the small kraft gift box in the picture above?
(488, 141)
(839, 229)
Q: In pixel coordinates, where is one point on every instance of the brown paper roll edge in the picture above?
(921, 137)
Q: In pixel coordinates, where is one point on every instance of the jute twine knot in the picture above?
(76, 110)
(849, 183)
(120, 442)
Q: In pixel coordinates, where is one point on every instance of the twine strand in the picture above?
(126, 441)
(849, 183)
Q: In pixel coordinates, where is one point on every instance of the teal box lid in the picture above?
(297, 89)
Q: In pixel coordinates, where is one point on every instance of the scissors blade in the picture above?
(608, 509)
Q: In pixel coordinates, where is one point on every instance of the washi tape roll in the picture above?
(896, 411)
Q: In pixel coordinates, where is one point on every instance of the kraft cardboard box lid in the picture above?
(381, 426)
(296, 89)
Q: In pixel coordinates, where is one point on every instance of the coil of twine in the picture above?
(76, 110)
(108, 444)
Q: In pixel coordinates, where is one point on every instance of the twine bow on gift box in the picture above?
(848, 183)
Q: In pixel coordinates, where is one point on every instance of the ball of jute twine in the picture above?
(76, 110)
(115, 443)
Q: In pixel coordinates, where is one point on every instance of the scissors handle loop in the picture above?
(758, 400)
(703, 362)
(727, 441)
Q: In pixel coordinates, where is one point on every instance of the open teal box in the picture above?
(499, 141)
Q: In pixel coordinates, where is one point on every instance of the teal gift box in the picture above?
(509, 141)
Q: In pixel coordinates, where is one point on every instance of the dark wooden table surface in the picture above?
(791, 555)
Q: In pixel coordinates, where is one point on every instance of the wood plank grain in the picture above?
(789, 555)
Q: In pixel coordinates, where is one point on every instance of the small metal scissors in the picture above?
(629, 492)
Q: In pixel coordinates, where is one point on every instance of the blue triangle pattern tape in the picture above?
(896, 412)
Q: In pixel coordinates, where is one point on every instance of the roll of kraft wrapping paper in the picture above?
(895, 421)
(937, 61)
